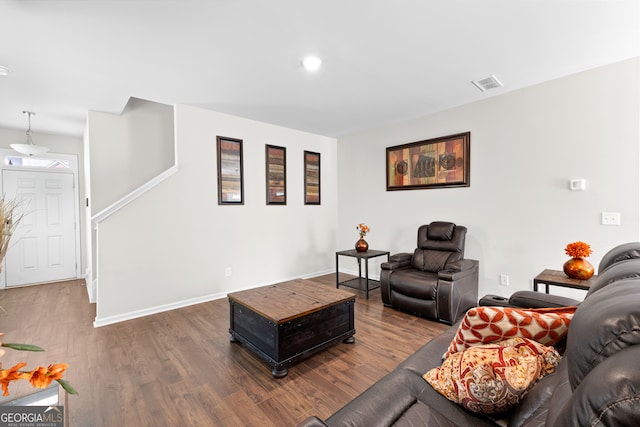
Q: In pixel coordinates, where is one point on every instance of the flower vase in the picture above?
(362, 245)
(578, 268)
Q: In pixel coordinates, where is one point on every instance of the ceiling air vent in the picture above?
(488, 83)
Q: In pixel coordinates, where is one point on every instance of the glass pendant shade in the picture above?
(29, 148)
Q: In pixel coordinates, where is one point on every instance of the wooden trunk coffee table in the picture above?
(290, 321)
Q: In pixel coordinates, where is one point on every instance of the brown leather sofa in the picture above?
(435, 281)
(597, 382)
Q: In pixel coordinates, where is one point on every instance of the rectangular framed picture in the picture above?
(230, 175)
(276, 167)
(435, 163)
(311, 178)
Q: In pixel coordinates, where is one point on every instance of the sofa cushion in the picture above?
(483, 325)
(606, 323)
(608, 396)
(533, 409)
(376, 406)
(492, 378)
(625, 269)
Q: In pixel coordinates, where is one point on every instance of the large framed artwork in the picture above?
(276, 167)
(435, 163)
(230, 175)
(311, 178)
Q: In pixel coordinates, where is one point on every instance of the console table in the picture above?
(558, 278)
(359, 281)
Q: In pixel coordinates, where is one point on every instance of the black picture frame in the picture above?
(312, 190)
(442, 162)
(230, 171)
(276, 174)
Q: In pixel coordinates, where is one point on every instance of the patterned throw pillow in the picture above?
(492, 378)
(483, 325)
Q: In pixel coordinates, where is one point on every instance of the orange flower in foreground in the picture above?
(8, 375)
(42, 377)
(39, 378)
(578, 250)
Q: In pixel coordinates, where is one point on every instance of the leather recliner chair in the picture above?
(435, 281)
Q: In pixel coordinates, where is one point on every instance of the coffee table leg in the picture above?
(279, 372)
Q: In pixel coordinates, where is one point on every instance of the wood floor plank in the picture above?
(179, 367)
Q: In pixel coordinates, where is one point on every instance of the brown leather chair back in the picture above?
(439, 243)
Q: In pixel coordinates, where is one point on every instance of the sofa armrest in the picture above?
(458, 269)
(312, 422)
(532, 299)
(397, 261)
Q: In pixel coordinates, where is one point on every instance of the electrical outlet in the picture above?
(504, 280)
(610, 218)
(227, 271)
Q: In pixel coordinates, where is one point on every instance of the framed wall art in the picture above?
(435, 163)
(276, 167)
(230, 174)
(311, 178)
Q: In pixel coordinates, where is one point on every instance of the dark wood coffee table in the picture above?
(290, 321)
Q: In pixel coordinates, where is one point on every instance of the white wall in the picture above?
(171, 246)
(525, 147)
(128, 149)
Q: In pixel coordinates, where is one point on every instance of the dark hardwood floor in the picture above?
(178, 368)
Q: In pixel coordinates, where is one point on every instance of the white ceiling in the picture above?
(384, 61)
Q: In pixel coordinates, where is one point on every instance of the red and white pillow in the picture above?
(483, 325)
(492, 378)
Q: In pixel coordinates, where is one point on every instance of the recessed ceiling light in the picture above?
(3, 70)
(312, 63)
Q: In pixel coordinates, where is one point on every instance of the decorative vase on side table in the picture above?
(578, 267)
(362, 245)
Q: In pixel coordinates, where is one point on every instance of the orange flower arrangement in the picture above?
(40, 377)
(362, 229)
(578, 250)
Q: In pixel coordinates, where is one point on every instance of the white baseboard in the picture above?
(109, 320)
(319, 273)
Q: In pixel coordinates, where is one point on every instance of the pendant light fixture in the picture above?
(29, 148)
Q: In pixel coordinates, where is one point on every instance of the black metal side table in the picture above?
(359, 281)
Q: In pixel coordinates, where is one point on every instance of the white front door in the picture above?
(43, 246)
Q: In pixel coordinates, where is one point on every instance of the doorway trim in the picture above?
(72, 160)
